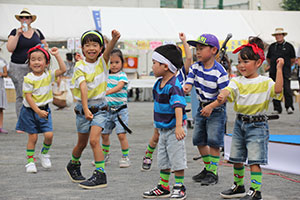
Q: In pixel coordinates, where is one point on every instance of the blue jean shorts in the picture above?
(30, 122)
(113, 122)
(83, 125)
(171, 153)
(210, 130)
(250, 140)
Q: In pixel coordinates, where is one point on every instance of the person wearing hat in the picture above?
(209, 77)
(285, 50)
(20, 40)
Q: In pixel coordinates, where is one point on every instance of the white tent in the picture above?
(61, 22)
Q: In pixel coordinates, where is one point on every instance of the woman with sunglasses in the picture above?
(20, 40)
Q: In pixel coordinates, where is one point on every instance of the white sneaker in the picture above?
(289, 111)
(31, 168)
(275, 112)
(124, 162)
(45, 160)
(106, 159)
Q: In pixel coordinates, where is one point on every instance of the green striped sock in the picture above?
(256, 178)
(45, 148)
(100, 165)
(214, 162)
(125, 152)
(149, 151)
(164, 178)
(105, 149)
(75, 160)
(206, 160)
(30, 153)
(239, 174)
(179, 180)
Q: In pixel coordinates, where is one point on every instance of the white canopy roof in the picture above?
(58, 23)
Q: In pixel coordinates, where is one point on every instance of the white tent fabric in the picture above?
(58, 23)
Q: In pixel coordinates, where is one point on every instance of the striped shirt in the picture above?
(40, 88)
(119, 97)
(166, 99)
(95, 74)
(181, 76)
(208, 82)
(252, 96)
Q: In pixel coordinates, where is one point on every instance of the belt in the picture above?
(45, 107)
(93, 109)
(250, 119)
(116, 110)
(203, 104)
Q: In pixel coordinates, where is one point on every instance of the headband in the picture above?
(39, 47)
(255, 49)
(161, 59)
(95, 33)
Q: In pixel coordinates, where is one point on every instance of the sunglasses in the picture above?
(26, 17)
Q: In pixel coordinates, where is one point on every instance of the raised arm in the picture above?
(13, 40)
(62, 66)
(115, 37)
(279, 77)
(188, 52)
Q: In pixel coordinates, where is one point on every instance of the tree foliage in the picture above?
(291, 5)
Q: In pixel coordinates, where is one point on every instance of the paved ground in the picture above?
(127, 183)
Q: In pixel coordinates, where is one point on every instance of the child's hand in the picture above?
(54, 51)
(187, 88)
(182, 37)
(280, 63)
(42, 114)
(78, 56)
(179, 133)
(115, 34)
(88, 114)
(206, 111)
(221, 98)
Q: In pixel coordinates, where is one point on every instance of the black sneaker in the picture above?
(236, 191)
(210, 179)
(252, 195)
(199, 177)
(97, 180)
(74, 172)
(157, 192)
(178, 192)
(147, 162)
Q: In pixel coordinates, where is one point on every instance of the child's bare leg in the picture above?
(1, 117)
(95, 134)
(147, 161)
(124, 162)
(123, 141)
(32, 139)
(105, 139)
(81, 144)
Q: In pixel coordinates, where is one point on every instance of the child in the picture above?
(251, 94)
(3, 100)
(116, 96)
(35, 116)
(209, 78)
(181, 75)
(90, 82)
(169, 119)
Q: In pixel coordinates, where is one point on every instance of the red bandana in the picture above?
(255, 49)
(40, 48)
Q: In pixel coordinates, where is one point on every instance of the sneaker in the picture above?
(289, 111)
(3, 131)
(157, 192)
(199, 177)
(45, 160)
(147, 162)
(252, 195)
(97, 180)
(124, 162)
(236, 191)
(178, 192)
(31, 168)
(106, 159)
(74, 172)
(210, 179)
(275, 112)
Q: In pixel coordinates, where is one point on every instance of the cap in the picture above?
(205, 39)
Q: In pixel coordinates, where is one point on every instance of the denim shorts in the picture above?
(171, 153)
(30, 122)
(250, 140)
(113, 122)
(83, 125)
(210, 130)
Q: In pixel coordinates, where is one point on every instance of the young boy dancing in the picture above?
(209, 77)
(169, 119)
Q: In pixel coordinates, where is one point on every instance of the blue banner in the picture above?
(97, 20)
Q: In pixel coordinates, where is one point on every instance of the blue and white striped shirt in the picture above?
(208, 82)
(119, 97)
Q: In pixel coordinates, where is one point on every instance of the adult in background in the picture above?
(20, 40)
(285, 50)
